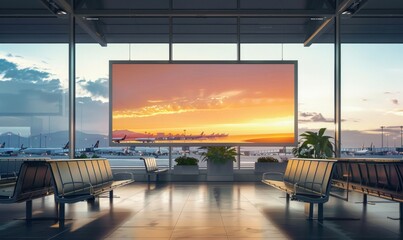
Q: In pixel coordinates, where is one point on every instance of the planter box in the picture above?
(270, 167)
(186, 170)
(220, 172)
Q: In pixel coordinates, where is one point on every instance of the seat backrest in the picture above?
(150, 164)
(302, 172)
(294, 170)
(33, 182)
(73, 175)
(62, 177)
(108, 170)
(290, 170)
(328, 168)
(10, 167)
(312, 174)
(97, 171)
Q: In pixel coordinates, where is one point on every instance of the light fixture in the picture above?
(347, 12)
(61, 12)
(317, 18)
(91, 18)
(54, 8)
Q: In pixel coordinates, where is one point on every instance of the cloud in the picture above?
(13, 56)
(95, 115)
(97, 88)
(11, 71)
(395, 101)
(398, 112)
(31, 92)
(6, 65)
(307, 114)
(28, 91)
(313, 117)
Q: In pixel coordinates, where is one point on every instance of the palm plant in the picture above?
(314, 145)
(219, 154)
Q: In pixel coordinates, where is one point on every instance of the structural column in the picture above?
(337, 86)
(72, 82)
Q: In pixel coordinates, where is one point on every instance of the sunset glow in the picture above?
(242, 103)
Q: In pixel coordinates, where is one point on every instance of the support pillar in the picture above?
(72, 83)
(337, 87)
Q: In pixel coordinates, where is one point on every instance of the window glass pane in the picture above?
(372, 99)
(33, 98)
(204, 52)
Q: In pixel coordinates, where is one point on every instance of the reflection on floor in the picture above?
(200, 211)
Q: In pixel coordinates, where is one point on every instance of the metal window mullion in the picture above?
(72, 83)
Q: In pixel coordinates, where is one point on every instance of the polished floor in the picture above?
(202, 211)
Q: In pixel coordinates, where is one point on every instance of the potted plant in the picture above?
(314, 145)
(220, 163)
(186, 165)
(269, 164)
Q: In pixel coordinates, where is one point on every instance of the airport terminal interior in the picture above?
(101, 99)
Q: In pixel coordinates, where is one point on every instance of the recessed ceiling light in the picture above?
(61, 12)
(91, 18)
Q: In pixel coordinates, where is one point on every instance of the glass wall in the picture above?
(372, 100)
(34, 85)
(33, 98)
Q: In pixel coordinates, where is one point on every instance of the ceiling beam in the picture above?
(367, 13)
(325, 25)
(202, 13)
(88, 26)
(25, 13)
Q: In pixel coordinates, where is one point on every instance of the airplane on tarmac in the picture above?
(111, 150)
(148, 151)
(155, 151)
(47, 151)
(10, 151)
(117, 140)
(364, 151)
(145, 140)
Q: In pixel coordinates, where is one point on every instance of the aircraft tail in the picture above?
(3, 145)
(96, 145)
(67, 145)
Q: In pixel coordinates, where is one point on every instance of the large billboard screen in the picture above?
(203, 103)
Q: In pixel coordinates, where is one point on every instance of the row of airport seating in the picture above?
(310, 180)
(381, 178)
(70, 181)
(305, 180)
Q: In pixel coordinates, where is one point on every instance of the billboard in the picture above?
(203, 103)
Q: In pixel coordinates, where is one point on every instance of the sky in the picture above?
(371, 84)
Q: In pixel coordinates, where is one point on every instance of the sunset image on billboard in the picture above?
(199, 103)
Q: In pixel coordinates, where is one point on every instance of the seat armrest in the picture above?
(264, 177)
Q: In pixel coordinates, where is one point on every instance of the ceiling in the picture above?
(201, 21)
